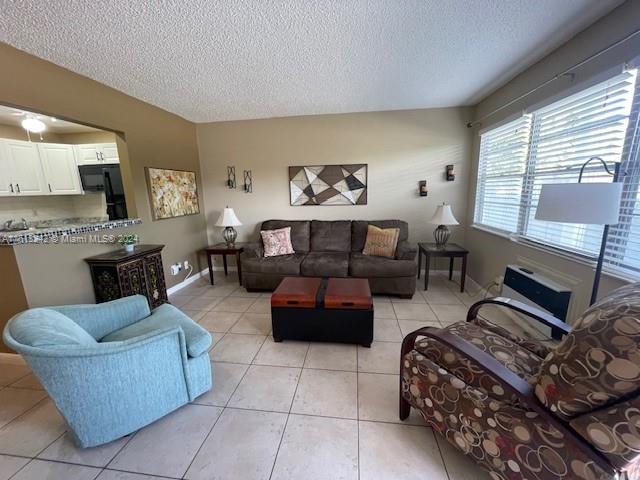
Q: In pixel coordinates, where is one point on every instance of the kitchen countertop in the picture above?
(55, 231)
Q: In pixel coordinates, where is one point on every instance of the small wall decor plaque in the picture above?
(231, 177)
(248, 182)
(328, 184)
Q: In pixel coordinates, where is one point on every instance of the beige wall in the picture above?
(154, 137)
(400, 148)
(12, 298)
(490, 252)
(87, 137)
(17, 133)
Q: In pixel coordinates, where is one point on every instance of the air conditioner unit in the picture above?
(524, 285)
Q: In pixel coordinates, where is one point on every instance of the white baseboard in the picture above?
(196, 276)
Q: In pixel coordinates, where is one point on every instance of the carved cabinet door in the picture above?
(154, 276)
(132, 278)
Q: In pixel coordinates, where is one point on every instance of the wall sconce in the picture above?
(231, 177)
(422, 188)
(451, 176)
(248, 182)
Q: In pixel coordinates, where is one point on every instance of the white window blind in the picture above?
(591, 123)
(503, 160)
(550, 145)
(622, 252)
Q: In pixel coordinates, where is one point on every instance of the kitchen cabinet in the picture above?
(121, 274)
(60, 169)
(96, 153)
(22, 167)
(6, 187)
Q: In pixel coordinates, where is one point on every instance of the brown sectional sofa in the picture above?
(333, 249)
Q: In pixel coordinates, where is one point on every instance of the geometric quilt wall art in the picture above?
(328, 185)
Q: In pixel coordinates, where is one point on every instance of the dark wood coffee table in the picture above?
(320, 309)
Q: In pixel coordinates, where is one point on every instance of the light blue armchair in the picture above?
(114, 367)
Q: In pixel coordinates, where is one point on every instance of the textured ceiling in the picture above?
(237, 59)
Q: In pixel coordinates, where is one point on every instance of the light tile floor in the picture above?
(290, 410)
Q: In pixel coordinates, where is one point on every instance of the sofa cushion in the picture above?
(325, 264)
(331, 236)
(365, 266)
(277, 242)
(43, 327)
(282, 265)
(299, 232)
(198, 340)
(359, 231)
(381, 242)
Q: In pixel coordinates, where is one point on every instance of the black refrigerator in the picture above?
(106, 178)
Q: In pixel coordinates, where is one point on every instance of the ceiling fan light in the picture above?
(33, 125)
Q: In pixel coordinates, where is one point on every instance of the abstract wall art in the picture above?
(328, 185)
(173, 193)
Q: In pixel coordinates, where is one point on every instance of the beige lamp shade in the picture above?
(443, 216)
(587, 203)
(228, 219)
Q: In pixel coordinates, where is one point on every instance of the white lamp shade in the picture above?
(228, 218)
(443, 216)
(588, 203)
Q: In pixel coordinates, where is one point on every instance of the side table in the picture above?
(224, 250)
(451, 251)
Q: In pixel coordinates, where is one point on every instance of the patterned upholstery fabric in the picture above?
(277, 242)
(509, 441)
(599, 361)
(614, 432)
(381, 242)
(511, 355)
(533, 346)
(592, 379)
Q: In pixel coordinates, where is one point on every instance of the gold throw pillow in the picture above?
(381, 242)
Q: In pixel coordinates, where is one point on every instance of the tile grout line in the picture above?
(223, 408)
(284, 429)
(358, 404)
(24, 413)
(204, 440)
(105, 469)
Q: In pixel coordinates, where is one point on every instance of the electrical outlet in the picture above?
(498, 281)
(187, 264)
(175, 268)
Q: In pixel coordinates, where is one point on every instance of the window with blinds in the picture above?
(550, 145)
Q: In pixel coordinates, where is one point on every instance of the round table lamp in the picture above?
(228, 220)
(442, 218)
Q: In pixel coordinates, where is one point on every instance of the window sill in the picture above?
(552, 251)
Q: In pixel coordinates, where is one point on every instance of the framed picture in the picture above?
(173, 193)
(328, 184)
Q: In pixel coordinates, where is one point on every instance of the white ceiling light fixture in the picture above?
(33, 125)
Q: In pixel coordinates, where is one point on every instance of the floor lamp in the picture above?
(586, 203)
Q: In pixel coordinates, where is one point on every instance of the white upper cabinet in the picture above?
(29, 168)
(6, 187)
(25, 169)
(87, 154)
(109, 153)
(60, 169)
(97, 153)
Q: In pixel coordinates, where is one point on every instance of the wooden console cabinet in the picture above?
(120, 274)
